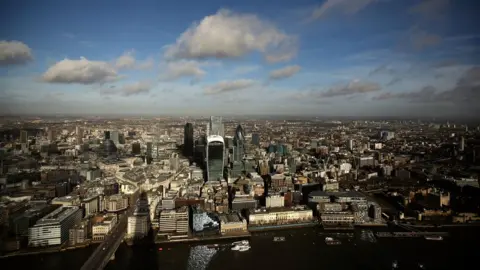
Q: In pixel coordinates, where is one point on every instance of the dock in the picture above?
(408, 234)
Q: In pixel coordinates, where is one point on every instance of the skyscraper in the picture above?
(106, 135)
(115, 137)
(239, 144)
(255, 139)
(79, 135)
(23, 137)
(216, 126)
(215, 150)
(188, 140)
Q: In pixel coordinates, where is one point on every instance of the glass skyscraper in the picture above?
(188, 140)
(215, 150)
(216, 126)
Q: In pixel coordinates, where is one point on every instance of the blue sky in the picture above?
(304, 57)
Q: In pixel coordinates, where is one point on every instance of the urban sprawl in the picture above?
(69, 183)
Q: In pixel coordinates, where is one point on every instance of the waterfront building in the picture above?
(215, 157)
(53, 229)
(78, 234)
(277, 216)
(204, 222)
(232, 224)
(102, 228)
(174, 221)
(274, 201)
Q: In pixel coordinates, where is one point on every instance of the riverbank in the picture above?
(192, 239)
(38, 251)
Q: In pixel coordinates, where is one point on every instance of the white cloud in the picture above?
(126, 60)
(246, 69)
(14, 53)
(81, 71)
(354, 87)
(285, 72)
(228, 86)
(182, 68)
(230, 35)
(135, 89)
(127, 90)
(343, 6)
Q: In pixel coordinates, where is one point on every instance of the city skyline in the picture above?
(335, 57)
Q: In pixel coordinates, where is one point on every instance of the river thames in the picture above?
(302, 249)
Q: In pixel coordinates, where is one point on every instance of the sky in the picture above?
(211, 57)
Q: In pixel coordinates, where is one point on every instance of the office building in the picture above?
(215, 157)
(136, 149)
(23, 137)
(188, 140)
(239, 144)
(115, 137)
(256, 139)
(53, 229)
(137, 226)
(350, 145)
(216, 126)
(79, 135)
(106, 134)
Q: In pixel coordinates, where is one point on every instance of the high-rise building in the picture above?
(50, 135)
(115, 137)
(239, 144)
(256, 139)
(350, 145)
(23, 137)
(149, 149)
(188, 140)
(106, 134)
(136, 148)
(79, 135)
(215, 150)
(216, 126)
(462, 144)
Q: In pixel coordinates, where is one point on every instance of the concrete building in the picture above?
(102, 228)
(137, 226)
(174, 221)
(275, 201)
(78, 234)
(215, 162)
(53, 229)
(280, 216)
(232, 224)
(91, 205)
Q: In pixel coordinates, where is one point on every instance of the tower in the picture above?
(188, 143)
(79, 135)
(215, 163)
(216, 126)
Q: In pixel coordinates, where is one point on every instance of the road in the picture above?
(103, 253)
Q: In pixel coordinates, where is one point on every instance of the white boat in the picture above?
(237, 247)
(243, 242)
(279, 239)
(434, 238)
(395, 265)
(243, 248)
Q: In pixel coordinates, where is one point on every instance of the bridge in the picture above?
(106, 250)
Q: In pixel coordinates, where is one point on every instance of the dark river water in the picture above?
(303, 249)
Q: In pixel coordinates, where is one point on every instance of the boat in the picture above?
(213, 246)
(243, 248)
(421, 266)
(237, 247)
(279, 239)
(243, 242)
(395, 264)
(332, 241)
(434, 238)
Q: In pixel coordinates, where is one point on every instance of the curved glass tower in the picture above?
(215, 150)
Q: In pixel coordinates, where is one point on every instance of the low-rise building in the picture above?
(232, 224)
